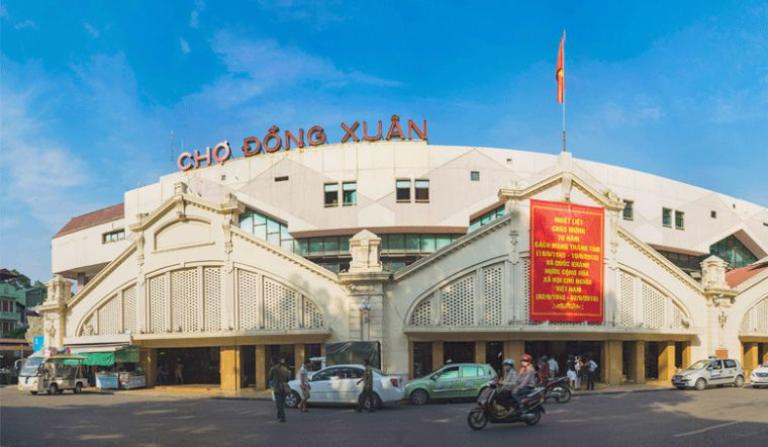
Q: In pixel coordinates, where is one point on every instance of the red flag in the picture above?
(560, 71)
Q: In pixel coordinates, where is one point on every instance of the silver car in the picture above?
(710, 372)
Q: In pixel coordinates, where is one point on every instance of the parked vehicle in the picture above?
(454, 381)
(710, 372)
(559, 390)
(53, 375)
(337, 384)
(759, 376)
(488, 410)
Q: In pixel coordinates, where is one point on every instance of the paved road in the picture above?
(718, 417)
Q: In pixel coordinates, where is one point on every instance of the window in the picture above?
(282, 178)
(267, 229)
(422, 191)
(713, 214)
(331, 197)
(113, 236)
(471, 371)
(474, 176)
(486, 218)
(349, 193)
(733, 251)
(679, 220)
(629, 211)
(730, 363)
(666, 217)
(403, 188)
(451, 372)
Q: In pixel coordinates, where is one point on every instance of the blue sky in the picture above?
(92, 91)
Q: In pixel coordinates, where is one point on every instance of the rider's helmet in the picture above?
(509, 362)
(526, 358)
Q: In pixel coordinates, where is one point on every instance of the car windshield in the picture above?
(699, 365)
(31, 365)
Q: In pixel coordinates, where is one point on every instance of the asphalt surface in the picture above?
(718, 417)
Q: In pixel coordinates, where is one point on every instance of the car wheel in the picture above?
(78, 388)
(419, 397)
(739, 382)
(376, 402)
(34, 393)
(53, 389)
(292, 399)
(700, 384)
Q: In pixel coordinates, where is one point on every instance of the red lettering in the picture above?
(198, 158)
(421, 133)
(182, 158)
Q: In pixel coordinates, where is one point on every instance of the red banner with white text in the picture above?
(566, 262)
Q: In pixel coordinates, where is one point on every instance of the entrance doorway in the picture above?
(652, 350)
(494, 353)
(459, 352)
(248, 366)
(422, 359)
(280, 351)
(188, 366)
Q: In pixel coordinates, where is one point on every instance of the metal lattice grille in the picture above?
(212, 298)
(88, 328)
(157, 304)
(313, 319)
(677, 317)
(756, 319)
(185, 300)
(627, 303)
(109, 317)
(493, 278)
(129, 310)
(422, 314)
(280, 308)
(248, 302)
(458, 304)
(653, 307)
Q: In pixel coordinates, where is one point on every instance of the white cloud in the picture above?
(25, 24)
(194, 16)
(184, 46)
(91, 30)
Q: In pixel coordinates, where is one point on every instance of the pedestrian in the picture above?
(581, 371)
(543, 370)
(591, 371)
(304, 384)
(571, 372)
(178, 372)
(278, 380)
(366, 396)
(162, 375)
(554, 367)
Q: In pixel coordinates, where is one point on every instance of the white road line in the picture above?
(713, 427)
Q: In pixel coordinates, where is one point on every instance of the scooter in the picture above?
(559, 390)
(488, 410)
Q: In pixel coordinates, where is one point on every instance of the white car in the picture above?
(337, 384)
(759, 376)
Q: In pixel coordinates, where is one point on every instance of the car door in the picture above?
(321, 384)
(729, 371)
(716, 372)
(447, 383)
(471, 378)
(349, 388)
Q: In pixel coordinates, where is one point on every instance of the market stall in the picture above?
(114, 367)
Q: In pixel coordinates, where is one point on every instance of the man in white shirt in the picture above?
(591, 371)
(304, 384)
(554, 367)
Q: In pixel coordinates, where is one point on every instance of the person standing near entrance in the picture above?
(278, 379)
(554, 367)
(591, 371)
(304, 384)
(366, 396)
(178, 372)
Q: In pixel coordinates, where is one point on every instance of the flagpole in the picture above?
(565, 148)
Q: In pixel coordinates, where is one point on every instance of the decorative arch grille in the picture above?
(248, 287)
(185, 300)
(212, 298)
(493, 278)
(458, 303)
(129, 310)
(756, 319)
(108, 317)
(422, 314)
(157, 304)
(280, 306)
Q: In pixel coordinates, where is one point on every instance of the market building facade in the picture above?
(428, 250)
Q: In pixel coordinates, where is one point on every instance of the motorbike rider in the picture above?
(526, 379)
(508, 383)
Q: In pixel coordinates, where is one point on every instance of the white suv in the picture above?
(710, 372)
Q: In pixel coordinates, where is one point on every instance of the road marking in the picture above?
(619, 396)
(703, 430)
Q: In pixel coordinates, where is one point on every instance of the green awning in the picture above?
(109, 357)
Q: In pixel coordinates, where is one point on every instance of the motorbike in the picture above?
(559, 390)
(489, 410)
